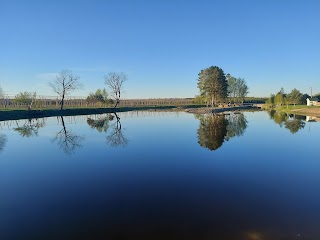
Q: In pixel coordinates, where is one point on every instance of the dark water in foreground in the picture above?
(151, 175)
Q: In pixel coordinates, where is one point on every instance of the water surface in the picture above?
(157, 175)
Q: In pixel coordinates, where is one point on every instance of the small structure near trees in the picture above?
(314, 101)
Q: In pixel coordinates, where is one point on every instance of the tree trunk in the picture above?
(62, 102)
(117, 102)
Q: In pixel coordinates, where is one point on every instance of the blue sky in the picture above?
(161, 45)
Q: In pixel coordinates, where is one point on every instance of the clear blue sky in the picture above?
(161, 45)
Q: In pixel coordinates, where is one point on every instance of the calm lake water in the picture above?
(160, 175)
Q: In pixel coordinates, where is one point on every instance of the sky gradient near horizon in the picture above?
(161, 45)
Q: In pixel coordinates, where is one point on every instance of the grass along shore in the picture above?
(16, 114)
(304, 110)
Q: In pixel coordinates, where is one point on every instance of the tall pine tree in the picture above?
(213, 85)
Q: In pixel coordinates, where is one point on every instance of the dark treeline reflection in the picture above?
(3, 141)
(67, 140)
(30, 128)
(214, 129)
(110, 124)
(292, 122)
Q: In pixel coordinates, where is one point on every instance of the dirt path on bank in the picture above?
(314, 112)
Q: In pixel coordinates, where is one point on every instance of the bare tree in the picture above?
(3, 98)
(115, 82)
(1, 93)
(65, 83)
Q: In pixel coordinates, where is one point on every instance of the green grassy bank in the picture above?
(15, 114)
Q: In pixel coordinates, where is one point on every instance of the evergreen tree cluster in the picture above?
(216, 87)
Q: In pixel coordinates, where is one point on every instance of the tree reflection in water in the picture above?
(112, 125)
(3, 141)
(294, 125)
(68, 141)
(30, 128)
(101, 124)
(116, 137)
(237, 124)
(292, 122)
(214, 129)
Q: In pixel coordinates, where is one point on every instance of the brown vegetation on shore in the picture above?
(315, 112)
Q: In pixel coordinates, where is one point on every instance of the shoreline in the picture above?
(312, 111)
(205, 110)
(306, 112)
(29, 114)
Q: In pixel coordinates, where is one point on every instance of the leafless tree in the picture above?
(115, 82)
(67, 140)
(65, 83)
(1, 93)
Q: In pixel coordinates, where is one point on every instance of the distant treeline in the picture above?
(294, 97)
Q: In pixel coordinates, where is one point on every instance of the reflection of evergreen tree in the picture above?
(67, 140)
(3, 141)
(30, 128)
(101, 124)
(294, 125)
(237, 124)
(212, 131)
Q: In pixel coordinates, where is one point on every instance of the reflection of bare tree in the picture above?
(101, 124)
(67, 140)
(30, 128)
(3, 141)
(116, 137)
